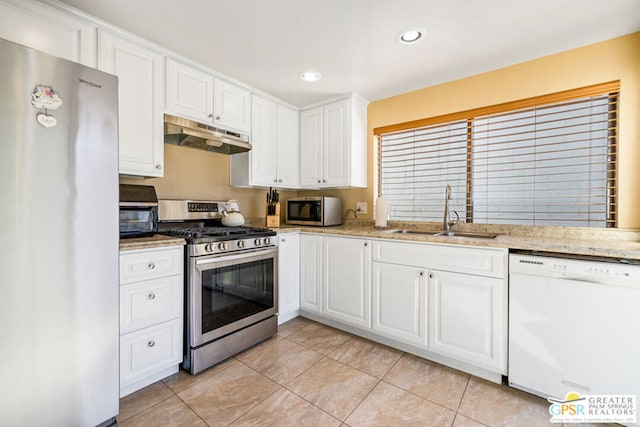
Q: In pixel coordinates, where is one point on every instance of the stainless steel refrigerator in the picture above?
(58, 241)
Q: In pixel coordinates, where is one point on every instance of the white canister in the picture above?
(383, 209)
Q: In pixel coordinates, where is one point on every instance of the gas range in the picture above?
(231, 281)
(198, 222)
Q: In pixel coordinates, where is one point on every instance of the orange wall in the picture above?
(616, 59)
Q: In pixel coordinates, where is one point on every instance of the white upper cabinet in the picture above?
(49, 30)
(311, 147)
(199, 96)
(263, 156)
(273, 159)
(333, 146)
(288, 125)
(231, 106)
(189, 92)
(140, 103)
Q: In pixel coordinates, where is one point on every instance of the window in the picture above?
(549, 160)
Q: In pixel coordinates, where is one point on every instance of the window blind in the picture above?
(547, 164)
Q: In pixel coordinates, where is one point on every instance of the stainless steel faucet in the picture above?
(447, 222)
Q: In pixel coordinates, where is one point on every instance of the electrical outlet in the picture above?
(361, 207)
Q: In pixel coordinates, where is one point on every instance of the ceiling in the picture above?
(266, 44)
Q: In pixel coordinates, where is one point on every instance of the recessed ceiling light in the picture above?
(411, 35)
(310, 76)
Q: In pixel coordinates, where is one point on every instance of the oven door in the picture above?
(229, 292)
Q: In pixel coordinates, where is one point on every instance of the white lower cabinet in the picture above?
(147, 352)
(467, 315)
(311, 272)
(346, 280)
(150, 302)
(447, 302)
(288, 276)
(335, 278)
(399, 302)
(151, 315)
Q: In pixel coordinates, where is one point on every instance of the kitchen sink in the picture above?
(470, 234)
(467, 234)
(423, 233)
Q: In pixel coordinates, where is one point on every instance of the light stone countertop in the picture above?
(155, 241)
(609, 243)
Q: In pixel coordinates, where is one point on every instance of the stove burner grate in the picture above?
(199, 232)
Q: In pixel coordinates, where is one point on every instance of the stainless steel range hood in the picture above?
(187, 133)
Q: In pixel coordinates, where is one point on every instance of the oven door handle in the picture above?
(258, 254)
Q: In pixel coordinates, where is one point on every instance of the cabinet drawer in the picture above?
(145, 264)
(151, 302)
(144, 352)
(463, 259)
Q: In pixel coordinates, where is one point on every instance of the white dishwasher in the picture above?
(574, 325)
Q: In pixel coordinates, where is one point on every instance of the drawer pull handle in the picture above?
(151, 266)
(151, 343)
(151, 295)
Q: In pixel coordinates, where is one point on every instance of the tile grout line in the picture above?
(284, 387)
(186, 404)
(466, 386)
(381, 379)
(455, 417)
(460, 404)
(372, 388)
(414, 394)
(302, 397)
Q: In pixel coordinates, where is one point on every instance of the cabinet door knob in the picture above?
(151, 295)
(319, 181)
(211, 116)
(324, 180)
(283, 240)
(217, 117)
(151, 266)
(158, 167)
(151, 343)
(430, 275)
(422, 273)
(366, 244)
(275, 180)
(279, 180)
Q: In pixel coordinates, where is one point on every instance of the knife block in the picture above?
(273, 221)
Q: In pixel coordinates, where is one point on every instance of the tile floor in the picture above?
(314, 375)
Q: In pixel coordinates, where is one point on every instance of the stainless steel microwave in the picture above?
(320, 211)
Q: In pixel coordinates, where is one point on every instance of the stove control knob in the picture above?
(267, 241)
(258, 242)
(222, 246)
(240, 244)
(208, 247)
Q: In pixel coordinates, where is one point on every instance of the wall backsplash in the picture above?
(196, 174)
